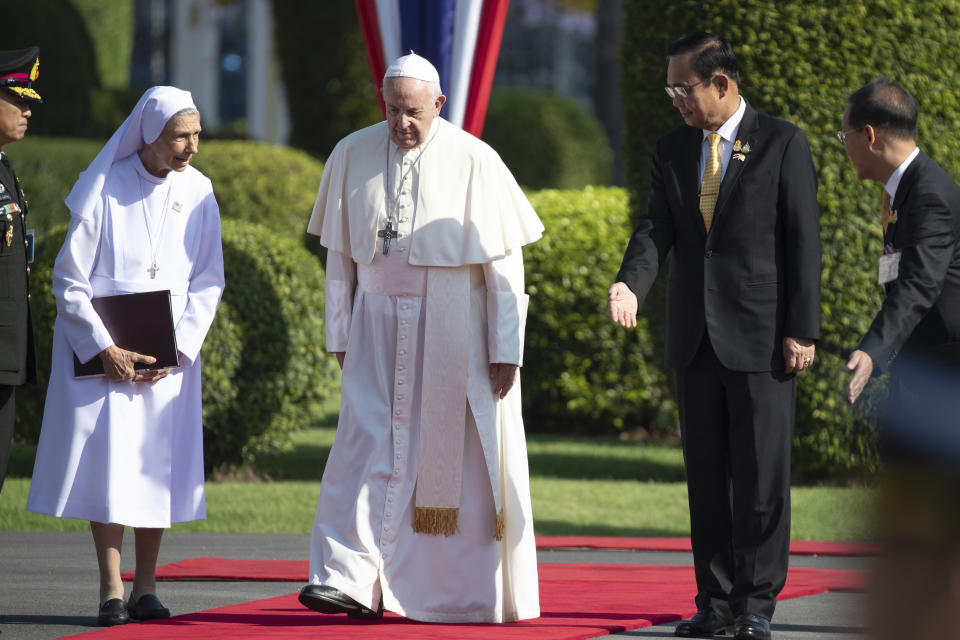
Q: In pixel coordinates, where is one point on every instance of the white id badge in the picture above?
(889, 267)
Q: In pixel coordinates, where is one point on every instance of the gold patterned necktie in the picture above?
(885, 211)
(710, 188)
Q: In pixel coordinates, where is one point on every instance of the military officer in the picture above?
(18, 71)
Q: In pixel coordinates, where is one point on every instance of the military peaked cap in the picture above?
(19, 70)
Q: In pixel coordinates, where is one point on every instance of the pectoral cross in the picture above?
(387, 233)
(153, 270)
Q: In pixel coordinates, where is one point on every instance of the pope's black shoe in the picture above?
(147, 607)
(326, 599)
(750, 626)
(706, 624)
(113, 612)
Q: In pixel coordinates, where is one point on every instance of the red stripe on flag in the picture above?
(367, 14)
(489, 35)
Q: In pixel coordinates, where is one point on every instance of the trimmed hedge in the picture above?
(800, 61)
(581, 372)
(547, 140)
(265, 372)
(268, 184)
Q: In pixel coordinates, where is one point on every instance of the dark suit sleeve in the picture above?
(652, 239)
(797, 201)
(926, 255)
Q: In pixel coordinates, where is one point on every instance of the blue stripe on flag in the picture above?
(426, 27)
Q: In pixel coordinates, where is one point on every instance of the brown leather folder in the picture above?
(141, 322)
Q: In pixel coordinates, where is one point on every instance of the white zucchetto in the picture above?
(412, 66)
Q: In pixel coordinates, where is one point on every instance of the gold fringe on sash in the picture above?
(498, 526)
(436, 521)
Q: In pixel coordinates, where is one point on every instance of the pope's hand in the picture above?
(340, 356)
(118, 364)
(861, 364)
(503, 376)
(623, 305)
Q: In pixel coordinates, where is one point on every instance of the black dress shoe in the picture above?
(113, 612)
(750, 626)
(326, 599)
(147, 607)
(706, 624)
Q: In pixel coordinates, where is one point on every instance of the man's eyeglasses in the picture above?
(842, 135)
(682, 91)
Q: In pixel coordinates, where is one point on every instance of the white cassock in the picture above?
(126, 452)
(456, 205)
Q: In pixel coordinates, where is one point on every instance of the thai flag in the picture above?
(460, 37)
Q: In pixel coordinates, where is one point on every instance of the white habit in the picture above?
(126, 452)
(456, 208)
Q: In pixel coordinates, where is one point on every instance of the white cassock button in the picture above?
(403, 352)
(398, 412)
(400, 382)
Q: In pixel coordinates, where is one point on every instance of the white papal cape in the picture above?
(126, 452)
(457, 208)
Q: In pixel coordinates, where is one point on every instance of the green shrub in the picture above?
(547, 140)
(800, 61)
(326, 75)
(256, 182)
(265, 371)
(265, 374)
(267, 184)
(581, 372)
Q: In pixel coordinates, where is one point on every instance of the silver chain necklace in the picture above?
(154, 249)
(389, 232)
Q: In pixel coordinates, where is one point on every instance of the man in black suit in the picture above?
(916, 334)
(734, 196)
(18, 70)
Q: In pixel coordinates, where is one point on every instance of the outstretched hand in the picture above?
(861, 365)
(623, 305)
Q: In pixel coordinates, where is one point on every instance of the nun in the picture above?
(126, 449)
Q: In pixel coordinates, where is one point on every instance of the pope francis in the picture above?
(424, 507)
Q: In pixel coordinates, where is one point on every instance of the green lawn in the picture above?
(580, 486)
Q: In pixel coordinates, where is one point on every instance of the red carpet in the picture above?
(797, 547)
(578, 600)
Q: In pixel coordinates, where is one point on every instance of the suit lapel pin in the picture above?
(893, 216)
(740, 151)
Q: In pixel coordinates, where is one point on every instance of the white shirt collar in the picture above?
(894, 181)
(728, 130)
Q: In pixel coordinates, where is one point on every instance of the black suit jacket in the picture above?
(755, 278)
(17, 356)
(921, 311)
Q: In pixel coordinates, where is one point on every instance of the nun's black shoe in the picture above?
(113, 612)
(147, 607)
